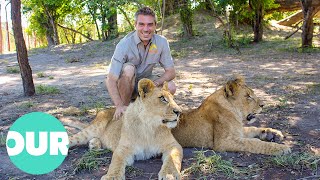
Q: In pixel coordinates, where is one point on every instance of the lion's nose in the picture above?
(177, 112)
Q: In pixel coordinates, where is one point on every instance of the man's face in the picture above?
(145, 26)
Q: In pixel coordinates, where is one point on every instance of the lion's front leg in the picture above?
(264, 134)
(253, 145)
(172, 158)
(118, 164)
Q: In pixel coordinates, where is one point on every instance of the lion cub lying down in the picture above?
(218, 123)
(142, 132)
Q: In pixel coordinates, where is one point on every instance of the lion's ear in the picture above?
(239, 79)
(231, 88)
(145, 86)
(165, 86)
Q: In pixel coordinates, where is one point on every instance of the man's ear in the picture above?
(165, 86)
(145, 86)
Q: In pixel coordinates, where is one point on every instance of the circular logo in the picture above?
(37, 143)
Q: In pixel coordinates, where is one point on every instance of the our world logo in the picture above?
(37, 143)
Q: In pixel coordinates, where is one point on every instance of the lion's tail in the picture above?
(95, 129)
(73, 123)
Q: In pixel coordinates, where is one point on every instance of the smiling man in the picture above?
(135, 57)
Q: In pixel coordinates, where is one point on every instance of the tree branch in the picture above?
(76, 32)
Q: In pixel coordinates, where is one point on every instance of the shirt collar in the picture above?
(137, 40)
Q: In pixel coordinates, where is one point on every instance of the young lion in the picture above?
(218, 123)
(143, 131)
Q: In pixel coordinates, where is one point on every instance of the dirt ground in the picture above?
(280, 74)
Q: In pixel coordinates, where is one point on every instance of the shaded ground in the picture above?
(283, 76)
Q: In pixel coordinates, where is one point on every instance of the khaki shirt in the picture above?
(131, 49)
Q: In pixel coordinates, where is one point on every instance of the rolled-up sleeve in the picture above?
(166, 60)
(117, 60)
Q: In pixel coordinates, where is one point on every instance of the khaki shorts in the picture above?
(152, 77)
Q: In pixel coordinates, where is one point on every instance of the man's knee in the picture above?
(128, 71)
(172, 87)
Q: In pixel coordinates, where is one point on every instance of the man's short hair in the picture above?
(145, 11)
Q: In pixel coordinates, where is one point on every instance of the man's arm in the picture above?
(112, 86)
(168, 75)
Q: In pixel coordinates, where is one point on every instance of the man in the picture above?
(134, 58)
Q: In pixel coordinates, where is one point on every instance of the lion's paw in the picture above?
(283, 150)
(95, 144)
(271, 135)
(169, 175)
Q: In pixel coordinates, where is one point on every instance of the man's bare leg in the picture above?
(172, 87)
(126, 84)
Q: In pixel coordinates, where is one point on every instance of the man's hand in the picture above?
(157, 82)
(119, 111)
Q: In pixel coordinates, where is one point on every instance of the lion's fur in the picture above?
(218, 123)
(142, 132)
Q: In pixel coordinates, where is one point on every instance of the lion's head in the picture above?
(243, 98)
(159, 103)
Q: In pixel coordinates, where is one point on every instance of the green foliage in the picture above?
(13, 70)
(210, 165)
(314, 88)
(296, 161)
(42, 13)
(91, 160)
(40, 75)
(27, 104)
(44, 89)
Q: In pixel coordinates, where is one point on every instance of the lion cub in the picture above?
(142, 132)
(218, 123)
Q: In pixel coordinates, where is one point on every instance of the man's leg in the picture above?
(172, 87)
(126, 83)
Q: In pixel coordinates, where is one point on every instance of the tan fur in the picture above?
(218, 123)
(143, 131)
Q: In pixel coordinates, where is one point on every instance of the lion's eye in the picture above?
(249, 97)
(163, 99)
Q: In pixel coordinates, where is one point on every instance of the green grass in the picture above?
(40, 75)
(91, 160)
(296, 161)
(314, 88)
(72, 60)
(133, 172)
(28, 104)
(51, 77)
(44, 89)
(13, 70)
(210, 165)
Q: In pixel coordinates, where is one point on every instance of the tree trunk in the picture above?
(186, 19)
(290, 5)
(1, 48)
(291, 20)
(307, 27)
(49, 38)
(52, 25)
(126, 17)
(22, 54)
(113, 25)
(258, 23)
(104, 32)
